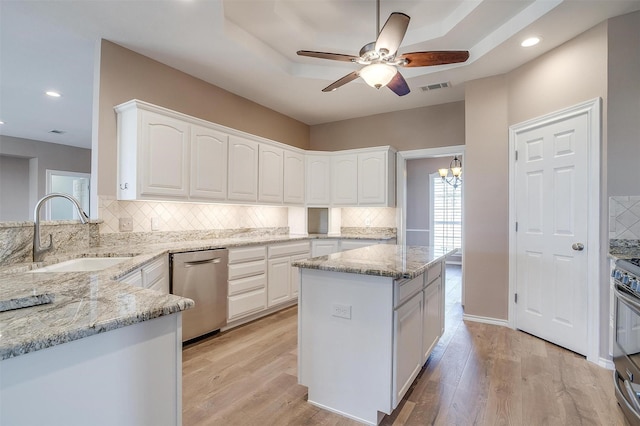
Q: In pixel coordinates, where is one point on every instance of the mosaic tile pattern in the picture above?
(187, 216)
(375, 217)
(624, 217)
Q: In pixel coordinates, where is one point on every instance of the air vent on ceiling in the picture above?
(435, 86)
(57, 132)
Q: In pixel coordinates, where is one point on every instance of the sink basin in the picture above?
(83, 264)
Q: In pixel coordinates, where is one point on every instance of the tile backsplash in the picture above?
(374, 217)
(624, 217)
(170, 216)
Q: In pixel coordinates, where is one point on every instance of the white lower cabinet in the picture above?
(154, 276)
(431, 330)
(247, 282)
(279, 281)
(408, 324)
(281, 285)
(324, 247)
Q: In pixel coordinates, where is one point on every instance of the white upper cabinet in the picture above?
(318, 176)
(294, 178)
(208, 164)
(271, 174)
(376, 183)
(243, 169)
(344, 178)
(153, 155)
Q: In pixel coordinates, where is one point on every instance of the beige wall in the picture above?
(572, 73)
(623, 130)
(427, 127)
(486, 173)
(41, 157)
(125, 75)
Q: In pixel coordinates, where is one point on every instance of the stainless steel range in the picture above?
(626, 343)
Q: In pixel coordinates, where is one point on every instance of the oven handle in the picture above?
(633, 303)
(634, 406)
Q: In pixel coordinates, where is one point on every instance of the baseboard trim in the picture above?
(485, 320)
(606, 363)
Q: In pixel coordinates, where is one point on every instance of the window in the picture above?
(446, 214)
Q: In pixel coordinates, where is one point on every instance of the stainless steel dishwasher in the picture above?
(202, 277)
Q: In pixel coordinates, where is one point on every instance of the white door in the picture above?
(551, 190)
(271, 173)
(293, 178)
(344, 180)
(372, 178)
(243, 169)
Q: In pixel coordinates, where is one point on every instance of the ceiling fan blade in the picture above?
(438, 57)
(344, 80)
(392, 33)
(324, 55)
(399, 85)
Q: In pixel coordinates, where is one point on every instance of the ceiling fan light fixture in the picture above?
(378, 75)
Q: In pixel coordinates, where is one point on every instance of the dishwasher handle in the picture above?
(202, 262)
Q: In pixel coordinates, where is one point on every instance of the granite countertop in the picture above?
(624, 249)
(81, 304)
(383, 260)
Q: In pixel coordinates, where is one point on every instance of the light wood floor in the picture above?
(478, 374)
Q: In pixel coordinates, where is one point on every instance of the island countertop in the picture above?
(383, 260)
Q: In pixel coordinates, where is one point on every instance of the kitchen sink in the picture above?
(83, 264)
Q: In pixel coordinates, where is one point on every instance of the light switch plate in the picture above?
(126, 224)
(341, 311)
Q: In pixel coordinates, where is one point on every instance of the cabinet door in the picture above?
(278, 281)
(323, 247)
(432, 314)
(164, 156)
(209, 150)
(243, 169)
(293, 178)
(247, 303)
(295, 274)
(318, 185)
(372, 178)
(271, 173)
(155, 275)
(407, 346)
(344, 178)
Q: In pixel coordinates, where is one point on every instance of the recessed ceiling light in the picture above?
(53, 94)
(1, 122)
(531, 41)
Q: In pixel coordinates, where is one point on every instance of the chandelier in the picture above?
(455, 167)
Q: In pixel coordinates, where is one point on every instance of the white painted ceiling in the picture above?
(248, 47)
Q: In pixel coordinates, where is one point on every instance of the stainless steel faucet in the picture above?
(37, 250)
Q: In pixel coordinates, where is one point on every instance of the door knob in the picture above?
(577, 246)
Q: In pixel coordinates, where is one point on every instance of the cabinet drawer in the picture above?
(247, 303)
(403, 290)
(434, 272)
(246, 254)
(153, 272)
(246, 284)
(247, 269)
(288, 249)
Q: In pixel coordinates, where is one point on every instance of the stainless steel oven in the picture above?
(626, 342)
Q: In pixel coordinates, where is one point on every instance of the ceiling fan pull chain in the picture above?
(377, 18)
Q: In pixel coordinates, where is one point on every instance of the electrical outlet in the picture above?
(155, 224)
(341, 311)
(126, 224)
(367, 222)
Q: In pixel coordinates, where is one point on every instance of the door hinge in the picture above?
(516, 297)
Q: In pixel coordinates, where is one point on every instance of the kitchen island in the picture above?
(367, 321)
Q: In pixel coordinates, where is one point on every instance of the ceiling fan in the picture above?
(380, 60)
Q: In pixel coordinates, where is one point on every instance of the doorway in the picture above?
(554, 264)
(73, 183)
(429, 211)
